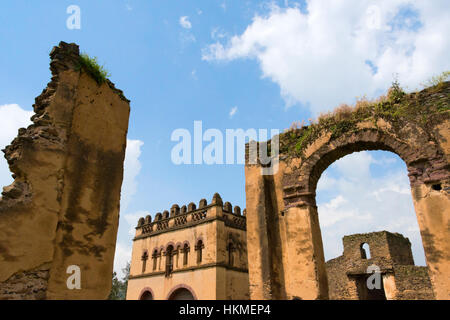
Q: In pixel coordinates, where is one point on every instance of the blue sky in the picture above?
(271, 62)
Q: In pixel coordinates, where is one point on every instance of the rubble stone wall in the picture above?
(63, 207)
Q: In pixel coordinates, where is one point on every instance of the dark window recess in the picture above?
(437, 187)
(169, 260)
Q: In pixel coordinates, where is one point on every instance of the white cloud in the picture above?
(132, 167)
(132, 220)
(121, 257)
(352, 198)
(185, 23)
(194, 74)
(217, 33)
(128, 221)
(186, 38)
(12, 117)
(233, 112)
(337, 50)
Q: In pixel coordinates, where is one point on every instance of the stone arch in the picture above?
(178, 246)
(170, 243)
(146, 294)
(423, 162)
(282, 217)
(183, 289)
(302, 182)
(365, 250)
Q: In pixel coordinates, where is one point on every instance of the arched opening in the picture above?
(181, 294)
(365, 251)
(169, 260)
(147, 295)
(287, 254)
(199, 248)
(359, 197)
(144, 259)
(185, 254)
(155, 259)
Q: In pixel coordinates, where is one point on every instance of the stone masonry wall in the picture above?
(62, 208)
(283, 230)
(391, 252)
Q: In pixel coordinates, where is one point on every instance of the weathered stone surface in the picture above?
(391, 253)
(62, 209)
(283, 232)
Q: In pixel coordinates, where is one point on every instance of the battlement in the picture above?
(187, 216)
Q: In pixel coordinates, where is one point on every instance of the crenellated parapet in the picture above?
(187, 216)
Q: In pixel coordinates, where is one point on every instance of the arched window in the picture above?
(365, 251)
(155, 258)
(199, 248)
(230, 249)
(169, 260)
(144, 259)
(185, 254)
(182, 294)
(147, 295)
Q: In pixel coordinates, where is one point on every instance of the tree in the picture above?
(119, 287)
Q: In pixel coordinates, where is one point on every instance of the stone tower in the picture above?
(191, 253)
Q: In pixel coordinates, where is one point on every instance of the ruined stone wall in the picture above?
(62, 208)
(391, 253)
(283, 231)
(412, 283)
(392, 247)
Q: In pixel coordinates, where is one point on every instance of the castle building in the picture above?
(191, 253)
(388, 254)
(200, 253)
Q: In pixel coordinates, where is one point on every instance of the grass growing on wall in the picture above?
(396, 106)
(91, 66)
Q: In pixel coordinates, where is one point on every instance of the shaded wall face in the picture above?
(64, 203)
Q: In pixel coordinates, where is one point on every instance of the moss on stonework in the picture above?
(398, 108)
(92, 67)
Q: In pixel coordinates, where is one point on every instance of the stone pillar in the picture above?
(390, 288)
(433, 214)
(257, 240)
(304, 265)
